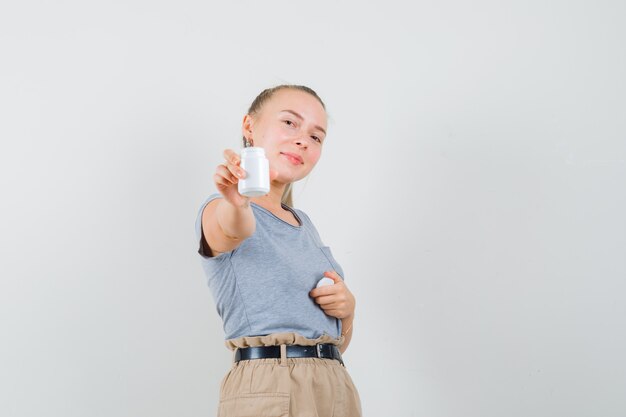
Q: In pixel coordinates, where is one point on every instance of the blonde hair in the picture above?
(255, 107)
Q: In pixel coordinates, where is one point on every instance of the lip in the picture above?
(293, 156)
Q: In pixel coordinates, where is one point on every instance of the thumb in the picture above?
(334, 276)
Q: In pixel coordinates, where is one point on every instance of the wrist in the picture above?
(346, 324)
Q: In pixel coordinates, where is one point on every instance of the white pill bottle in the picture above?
(257, 167)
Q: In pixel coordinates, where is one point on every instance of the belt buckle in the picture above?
(318, 348)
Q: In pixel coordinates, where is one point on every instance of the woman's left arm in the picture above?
(346, 326)
(337, 301)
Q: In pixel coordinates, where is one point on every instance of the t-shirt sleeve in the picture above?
(199, 234)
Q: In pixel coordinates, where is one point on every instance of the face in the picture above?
(291, 128)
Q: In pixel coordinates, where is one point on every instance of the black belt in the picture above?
(322, 350)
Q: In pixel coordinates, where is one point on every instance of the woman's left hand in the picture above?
(336, 300)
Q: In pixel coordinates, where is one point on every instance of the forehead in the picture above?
(301, 102)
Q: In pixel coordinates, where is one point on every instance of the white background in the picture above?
(472, 186)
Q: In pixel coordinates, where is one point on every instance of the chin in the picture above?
(292, 179)
(285, 179)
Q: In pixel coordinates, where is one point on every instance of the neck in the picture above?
(272, 199)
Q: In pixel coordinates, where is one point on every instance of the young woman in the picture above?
(263, 259)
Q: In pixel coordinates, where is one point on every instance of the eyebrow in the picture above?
(302, 118)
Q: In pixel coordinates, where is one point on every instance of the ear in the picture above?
(246, 126)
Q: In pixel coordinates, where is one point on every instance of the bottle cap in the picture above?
(324, 281)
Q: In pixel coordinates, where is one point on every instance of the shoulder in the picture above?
(207, 200)
(205, 211)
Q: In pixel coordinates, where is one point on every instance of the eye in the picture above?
(317, 139)
(289, 123)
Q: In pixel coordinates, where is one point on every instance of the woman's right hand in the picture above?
(227, 176)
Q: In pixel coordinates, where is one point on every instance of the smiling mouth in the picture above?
(294, 160)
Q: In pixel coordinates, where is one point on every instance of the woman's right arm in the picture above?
(225, 226)
(228, 221)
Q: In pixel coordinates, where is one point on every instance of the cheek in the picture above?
(315, 156)
(281, 130)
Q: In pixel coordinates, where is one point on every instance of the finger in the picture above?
(334, 276)
(233, 161)
(231, 157)
(333, 313)
(226, 174)
(327, 300)
(235, 170)
(326, 290)
(223, 177)
(220, 180)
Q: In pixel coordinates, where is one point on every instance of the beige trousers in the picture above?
(286, 387)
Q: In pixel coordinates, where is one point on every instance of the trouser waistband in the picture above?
(321, 350)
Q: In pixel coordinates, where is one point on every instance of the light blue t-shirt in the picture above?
(262, 286)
